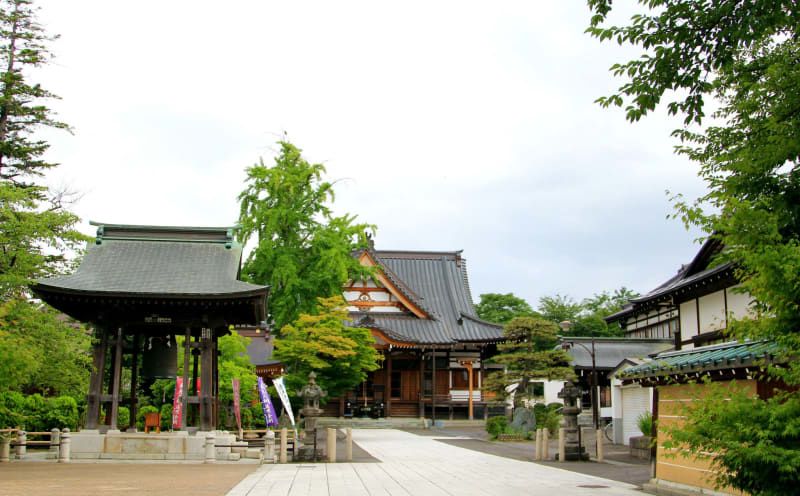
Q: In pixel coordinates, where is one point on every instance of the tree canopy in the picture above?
(501, 308)
(39, 350)
(340, 355)
(745, 56)
(528, 354)
(303, 251)
(586, 317)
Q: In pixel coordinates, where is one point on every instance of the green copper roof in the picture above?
(717, 357)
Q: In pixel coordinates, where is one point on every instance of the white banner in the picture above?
(280, 387)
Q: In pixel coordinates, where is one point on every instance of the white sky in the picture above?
(450, 125)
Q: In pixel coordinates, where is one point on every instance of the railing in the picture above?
(58, 442)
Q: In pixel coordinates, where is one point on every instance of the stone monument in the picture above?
(311, 394)
(573, 450)
(524, 419)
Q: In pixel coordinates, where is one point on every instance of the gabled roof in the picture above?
(438, 283)
(689, 279)
(165, 261)
(609, 352)
(708, 358)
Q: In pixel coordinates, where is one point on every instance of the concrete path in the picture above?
(416, 465)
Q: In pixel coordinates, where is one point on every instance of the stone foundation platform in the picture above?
(178, 445)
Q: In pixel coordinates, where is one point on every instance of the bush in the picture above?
(496, 425)
(123, 417)
(166, 416)
(61, 412)
(645, 423)
(12, 410)
(548, 416)
(37, 413)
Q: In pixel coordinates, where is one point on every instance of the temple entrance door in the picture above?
(409, 385)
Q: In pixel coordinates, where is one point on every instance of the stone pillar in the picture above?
(116, 380)
(348, 445)
(96, 378)
(55, 436)
(331, 445)
(22, 448)
(269, 447)
(545, 444)
(599, 441)
(64, 451)
(284, 445)
(538, 454)
(561, 445)
(5, 449)
(211, 452)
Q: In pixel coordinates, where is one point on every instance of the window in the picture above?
(536, 389)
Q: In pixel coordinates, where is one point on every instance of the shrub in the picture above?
(61, 412)
(123, 417)
(496, 425)
(548, 416)
(166, 416)
(645, 423)
(12, 409)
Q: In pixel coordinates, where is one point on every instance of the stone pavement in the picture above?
(419, 465)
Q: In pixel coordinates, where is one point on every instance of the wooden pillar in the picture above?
(341, 405)
(134, 376)
(388, 371)
(185, 398)
(468, 365)
(117, 379)
(96, 378)
(192, 388)
(433, 384)
(206, 379)
(421, 384)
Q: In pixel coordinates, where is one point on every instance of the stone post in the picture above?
(562, 445)
(211, 455)
(538, 454)
(55, 436)
(331, 439)
(284, 445)
(599, 442)
(64, 449)
(22, 444)
(269, 447)
(5, 449)
(545, 444)
(348, 445)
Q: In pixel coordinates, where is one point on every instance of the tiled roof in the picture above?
(164, 261)
(438, 281)
(609, 352)
(717, 357)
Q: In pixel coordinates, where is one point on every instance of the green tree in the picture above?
(501, 308)
(321, 342)
(745, 55)
(586, 318)
(37, 229)
(558, 308)
(302, 250)
(528, 354)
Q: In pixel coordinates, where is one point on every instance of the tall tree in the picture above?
(37, 229)
(528, 354)
(303, 251)
(321, 342)
(501, 308)
(39, 351)
(746, 55)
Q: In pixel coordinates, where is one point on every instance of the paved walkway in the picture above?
(417, 465)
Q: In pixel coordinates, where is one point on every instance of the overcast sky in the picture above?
(449, 125)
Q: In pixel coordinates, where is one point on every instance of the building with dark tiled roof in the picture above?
(419, 308)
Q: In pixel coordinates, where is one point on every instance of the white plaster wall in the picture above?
(551, 390)
(712, 312)
(738, 303)
(688, 319)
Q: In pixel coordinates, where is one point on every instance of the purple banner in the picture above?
(270, 417)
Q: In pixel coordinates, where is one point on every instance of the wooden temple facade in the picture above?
(419, 308)
(139, 288)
